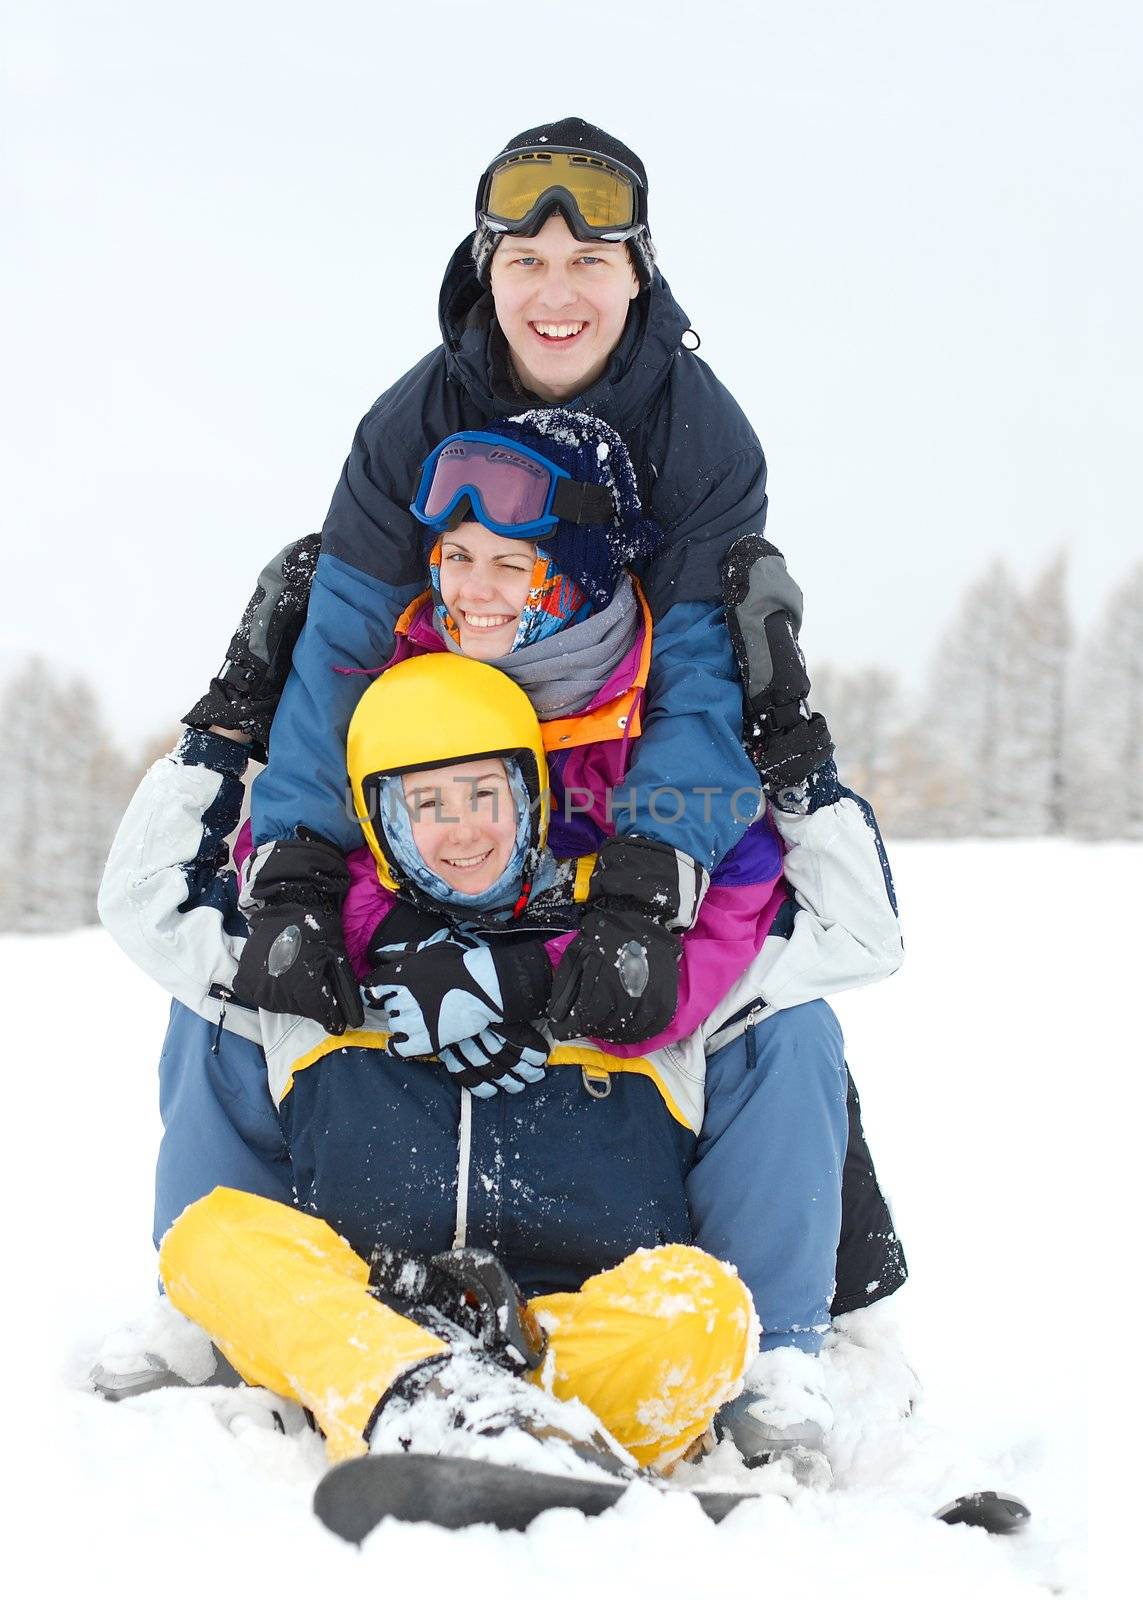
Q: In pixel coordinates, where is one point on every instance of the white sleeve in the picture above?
(149, 876)
(845, 931)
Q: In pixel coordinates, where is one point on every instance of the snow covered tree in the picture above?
(985, 754)
(64, 790)
(864, 709)
(1104, 790)
(1031, 781)
(951, 761)
(109, 780)
(31, 875)
(1013, 736)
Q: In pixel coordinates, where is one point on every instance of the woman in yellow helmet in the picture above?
(449, 779)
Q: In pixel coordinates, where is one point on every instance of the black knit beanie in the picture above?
(573, 133)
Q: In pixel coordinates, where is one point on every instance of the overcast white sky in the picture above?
(908, 234)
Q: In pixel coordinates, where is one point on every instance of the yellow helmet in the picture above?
(431, 711)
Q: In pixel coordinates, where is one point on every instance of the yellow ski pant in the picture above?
(653, 1346)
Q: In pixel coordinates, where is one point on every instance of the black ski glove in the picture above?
(764, 616)
(509, 1056)
(619, 979)
(245, 694)
(453, 986)
(788, 752)
(294, 959)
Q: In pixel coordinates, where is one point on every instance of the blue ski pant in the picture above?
(220, 1126)
(764, 1187)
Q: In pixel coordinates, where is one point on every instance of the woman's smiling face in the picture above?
(463, 820)
(485, 579)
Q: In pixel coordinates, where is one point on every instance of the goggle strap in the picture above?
(582, 502)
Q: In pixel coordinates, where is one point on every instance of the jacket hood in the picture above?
(476, 355)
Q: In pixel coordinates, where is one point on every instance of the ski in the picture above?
(455, 1492)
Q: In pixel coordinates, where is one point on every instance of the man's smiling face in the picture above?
(562, 306)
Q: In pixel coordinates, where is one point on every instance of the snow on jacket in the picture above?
(702, 477)
(170, 902)
(562, 1180)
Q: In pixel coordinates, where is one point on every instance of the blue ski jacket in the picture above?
(702, 476)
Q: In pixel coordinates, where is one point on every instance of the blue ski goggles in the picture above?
(511, 489)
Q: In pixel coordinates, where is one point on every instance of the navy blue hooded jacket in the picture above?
(702, 477)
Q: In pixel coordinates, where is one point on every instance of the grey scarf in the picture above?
(563, 673)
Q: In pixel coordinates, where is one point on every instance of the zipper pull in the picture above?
(223, 997)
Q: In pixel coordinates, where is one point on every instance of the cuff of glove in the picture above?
(198, 748)
(821, 788)
(662, 883)
(790, 756)
(305, 871)
(252, 718)
(525, 974)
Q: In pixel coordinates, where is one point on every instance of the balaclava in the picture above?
(398, 829)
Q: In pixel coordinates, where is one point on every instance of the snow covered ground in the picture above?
(975, 1065)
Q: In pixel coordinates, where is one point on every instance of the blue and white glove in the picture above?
(453, 986)
(509, 1057)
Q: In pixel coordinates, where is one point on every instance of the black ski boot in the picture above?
(474, 1401)
(468, 1296)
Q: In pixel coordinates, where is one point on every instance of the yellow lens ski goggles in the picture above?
(601, 199)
